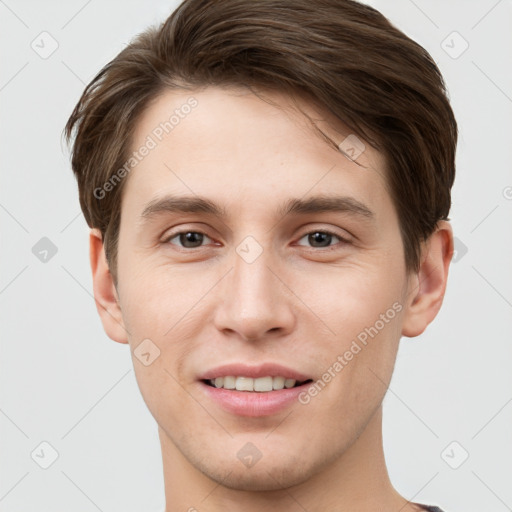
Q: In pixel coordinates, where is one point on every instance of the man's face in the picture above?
(258, 286)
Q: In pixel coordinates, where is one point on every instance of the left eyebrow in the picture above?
(322, 204)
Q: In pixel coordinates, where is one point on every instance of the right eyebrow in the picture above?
(182, 204)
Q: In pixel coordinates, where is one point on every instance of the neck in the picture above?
(358, 480)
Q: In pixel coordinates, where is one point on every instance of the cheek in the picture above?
(363, 311)
(163, 312)
(156, 299)
(349, 300)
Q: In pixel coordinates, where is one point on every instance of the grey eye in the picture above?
(189, 239)
(320, 238)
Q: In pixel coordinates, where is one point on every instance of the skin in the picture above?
(298, 304)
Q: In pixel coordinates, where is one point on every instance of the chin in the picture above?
(267, 477)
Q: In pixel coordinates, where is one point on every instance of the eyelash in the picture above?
(323, 231)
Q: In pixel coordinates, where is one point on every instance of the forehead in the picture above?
(222, 140)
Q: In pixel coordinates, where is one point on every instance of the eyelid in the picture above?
(342, 234)
(181, 227)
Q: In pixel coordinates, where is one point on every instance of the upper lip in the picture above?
(255, 371)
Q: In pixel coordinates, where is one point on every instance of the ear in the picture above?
(105, 293)
(428, 285)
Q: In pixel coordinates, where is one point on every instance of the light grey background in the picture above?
(62, 381)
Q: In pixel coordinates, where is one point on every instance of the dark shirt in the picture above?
(430, 508)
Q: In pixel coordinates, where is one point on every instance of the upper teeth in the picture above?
(250, 384)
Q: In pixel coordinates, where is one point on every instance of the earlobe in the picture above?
(105, 293)
(427, 288)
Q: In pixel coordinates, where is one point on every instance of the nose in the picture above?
(254, 301)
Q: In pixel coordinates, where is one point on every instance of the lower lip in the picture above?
(253, 403)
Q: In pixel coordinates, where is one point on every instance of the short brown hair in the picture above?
(343, 55)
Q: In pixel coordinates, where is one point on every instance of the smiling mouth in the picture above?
(259, 385)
